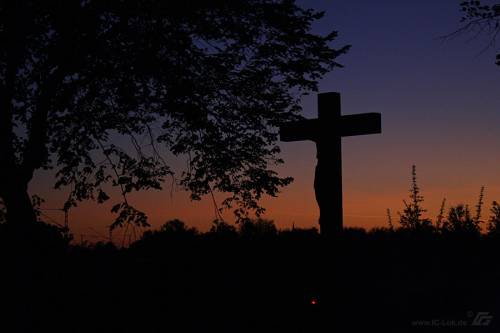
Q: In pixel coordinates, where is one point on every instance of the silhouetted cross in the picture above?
(327, 131)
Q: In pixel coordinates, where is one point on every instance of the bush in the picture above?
(494, 220)
(460, 222)
(258, 228)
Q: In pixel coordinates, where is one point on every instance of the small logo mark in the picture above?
(482, 319)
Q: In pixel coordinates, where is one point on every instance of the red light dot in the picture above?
(314, 301)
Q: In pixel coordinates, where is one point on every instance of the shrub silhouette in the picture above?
(219, 226)
(440, 217)
(176, 273)
(494, 220)
(411, 219)
(177, 226)
(479, 206)
(381, 232)
(460, 222)
(299, 234)
(257, 228)
(173, 232)
(222, 231)
(354, 233)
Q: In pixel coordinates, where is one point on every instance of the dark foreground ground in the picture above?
(223, 282)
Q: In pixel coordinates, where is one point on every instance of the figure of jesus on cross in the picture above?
(327, 132)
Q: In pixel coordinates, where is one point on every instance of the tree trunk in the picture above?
(22, 257)
(18, 204)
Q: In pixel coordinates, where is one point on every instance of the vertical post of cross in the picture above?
(328, 175)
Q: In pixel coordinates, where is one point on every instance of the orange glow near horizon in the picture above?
(369, 190)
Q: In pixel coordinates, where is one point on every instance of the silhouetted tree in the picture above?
(221, 227)
(479, 206)
(480, 20)
(389, 220)
(460, 222)
(440, 217)
(94, 89)
(177, 226)
(250, 228)
(173, 232)
(494, 220)
(411, 218)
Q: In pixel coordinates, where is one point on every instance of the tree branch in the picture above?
(14, 38)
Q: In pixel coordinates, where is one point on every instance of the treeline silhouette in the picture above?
(255, 278)
(413, 275)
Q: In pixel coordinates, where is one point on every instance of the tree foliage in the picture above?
(251, 228)
(479, 19)
(494, 220)
(97, 90)
(461, 222)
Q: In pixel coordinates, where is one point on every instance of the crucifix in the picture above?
(327, 132)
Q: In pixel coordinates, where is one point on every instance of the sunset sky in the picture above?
(440, 111)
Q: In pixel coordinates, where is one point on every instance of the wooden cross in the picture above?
(327, 132)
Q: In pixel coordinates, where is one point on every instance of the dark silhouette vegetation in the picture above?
(459, 221)
(252, 277)
(108, 94)
(105, 93)
(480, 20)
